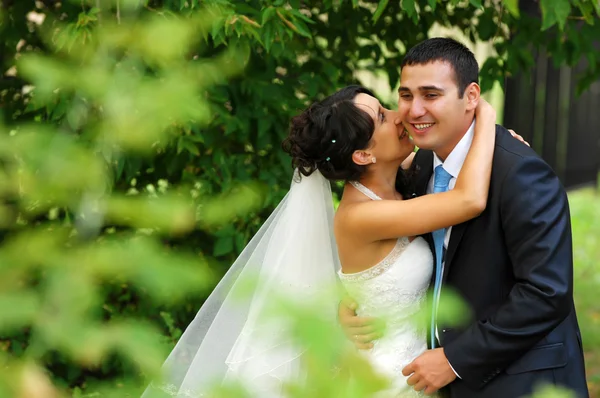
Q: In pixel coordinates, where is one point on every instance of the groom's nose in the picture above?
(417, 109)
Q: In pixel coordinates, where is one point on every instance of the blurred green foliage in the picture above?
(585, 216)
(139, 152)
(78, 254)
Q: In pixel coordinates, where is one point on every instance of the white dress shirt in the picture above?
(452, 165)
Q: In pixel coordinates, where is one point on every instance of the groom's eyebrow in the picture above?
(421, 88)
(431, 88)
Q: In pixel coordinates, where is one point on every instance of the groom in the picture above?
(512, 265)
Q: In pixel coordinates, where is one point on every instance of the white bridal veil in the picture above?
(294, 253)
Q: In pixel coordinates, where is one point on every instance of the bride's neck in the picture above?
(382, 180)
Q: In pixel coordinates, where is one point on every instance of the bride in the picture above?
(382, 263)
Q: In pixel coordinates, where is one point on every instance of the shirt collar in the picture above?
(455, 160)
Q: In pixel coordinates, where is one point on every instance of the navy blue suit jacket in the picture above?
(513, 266)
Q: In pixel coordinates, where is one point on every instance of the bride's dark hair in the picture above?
(325, 136)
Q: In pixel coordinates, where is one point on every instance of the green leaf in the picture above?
(476, 3)
(393, 77)
(196, 135)
(264, 125)
(584, 81)
(240, 242)
(553, 12)
(120, 166)
(562, 8)
(302, 29)
(380, 9)
(410, 8)
(268, 14)
(18, 310)
(245, 9)
(185, 143)
(587, 11)
(548, 15)
(512, 6)
(432, 4)
(486, 28)
(303, 17)
(223, 245)
(217, 27)
(268, 36)
(597, 7)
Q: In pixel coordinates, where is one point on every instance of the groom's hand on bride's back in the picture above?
(361, 331)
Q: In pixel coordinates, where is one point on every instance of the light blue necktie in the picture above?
(441, 180)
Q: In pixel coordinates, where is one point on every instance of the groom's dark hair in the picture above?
(462, 60)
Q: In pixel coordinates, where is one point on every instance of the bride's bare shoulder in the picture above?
(344, 221)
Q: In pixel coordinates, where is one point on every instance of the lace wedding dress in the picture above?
(295, 253)
(395, 290)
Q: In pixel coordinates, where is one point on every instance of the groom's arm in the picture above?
(535, 219)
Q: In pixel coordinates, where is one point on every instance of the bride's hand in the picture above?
(518, 137)
(485, 110)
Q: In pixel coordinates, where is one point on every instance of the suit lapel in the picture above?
(455, 237)
(423, 171)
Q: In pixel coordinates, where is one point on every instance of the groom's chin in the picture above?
(420, 142)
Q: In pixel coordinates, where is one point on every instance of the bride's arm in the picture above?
(408, 161)
(386, 219)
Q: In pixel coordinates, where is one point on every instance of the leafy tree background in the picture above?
(225, 159)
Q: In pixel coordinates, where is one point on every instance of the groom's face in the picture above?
(431, 108)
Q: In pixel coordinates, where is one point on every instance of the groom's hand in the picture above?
(430, 371)
(362, 331)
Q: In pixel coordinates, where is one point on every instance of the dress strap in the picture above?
(366, 191)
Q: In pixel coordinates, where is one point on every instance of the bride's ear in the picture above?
(362, 157)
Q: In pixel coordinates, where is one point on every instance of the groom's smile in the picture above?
(421, 128)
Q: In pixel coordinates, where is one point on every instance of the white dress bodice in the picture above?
(395, 290)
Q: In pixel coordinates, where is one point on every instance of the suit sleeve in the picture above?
(537, 231)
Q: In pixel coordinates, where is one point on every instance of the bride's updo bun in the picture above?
(325, 136)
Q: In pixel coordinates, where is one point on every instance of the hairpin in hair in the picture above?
(333, 141)
(328, 159)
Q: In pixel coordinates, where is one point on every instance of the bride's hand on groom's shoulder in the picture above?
(361, 331)
(518, 137)
(485, 111)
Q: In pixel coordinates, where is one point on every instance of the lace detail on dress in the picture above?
(381, 266)
(395, 291)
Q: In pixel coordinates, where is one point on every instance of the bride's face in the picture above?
(390, 141)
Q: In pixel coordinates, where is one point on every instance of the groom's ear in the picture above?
(472, 95)
(362, 157)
